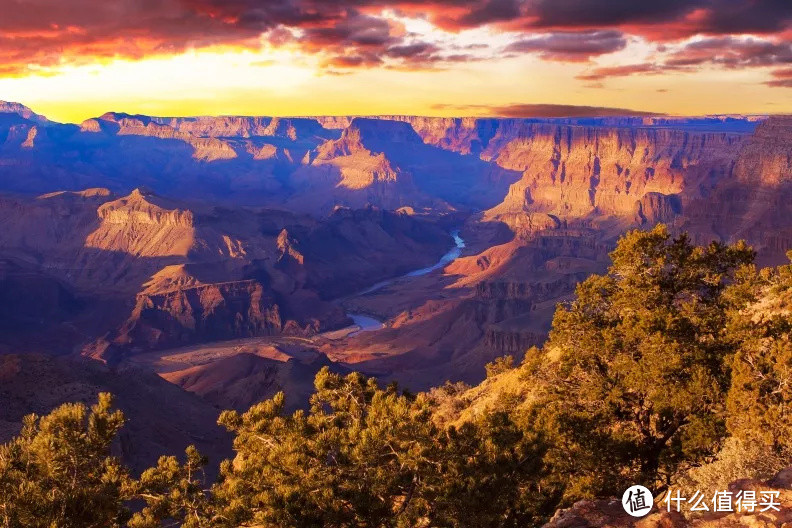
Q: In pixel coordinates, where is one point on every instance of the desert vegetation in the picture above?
(672, 368)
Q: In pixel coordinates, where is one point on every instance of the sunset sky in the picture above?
(76, 59)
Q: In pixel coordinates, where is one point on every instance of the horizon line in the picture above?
(609, 112)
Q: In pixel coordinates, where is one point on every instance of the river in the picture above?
(368, 323)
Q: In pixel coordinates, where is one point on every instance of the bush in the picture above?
(499, 366)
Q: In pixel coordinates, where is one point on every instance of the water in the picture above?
(367, 323)
(446, 259)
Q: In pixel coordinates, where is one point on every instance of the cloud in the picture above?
(47, 33)
(36, 34)
(571, 46)
(543, 110)
(781, 78)
(733, 52)
(727, 52)
(606, 13)
(666, 19)
(625, 70)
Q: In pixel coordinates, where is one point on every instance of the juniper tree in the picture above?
(634, 374)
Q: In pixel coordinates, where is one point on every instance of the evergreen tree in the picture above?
(634, 375)
(59, 471)
(370, 457)
(175, 494)
(760, 398)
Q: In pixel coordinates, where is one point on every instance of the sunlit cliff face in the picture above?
(437, 57)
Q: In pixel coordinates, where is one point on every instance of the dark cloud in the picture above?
(663, 19)
(491, 11)
(416, 49)
(747, 16)
(607, 13)
(353, 61)
(354, 33)
(544, 110)
(732, 52)
(724, 52)
(571, 46)
(352, 30)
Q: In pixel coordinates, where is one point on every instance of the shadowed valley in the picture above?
(228, 255)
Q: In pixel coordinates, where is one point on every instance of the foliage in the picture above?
(499, 365)
(737, 459)
(760, 399)
(175, 493)
(676, 364)
(636, 368)
(364, 456)
(59, 471)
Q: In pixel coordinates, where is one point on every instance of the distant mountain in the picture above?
(307, 164)
(22, 111)
(149, 232)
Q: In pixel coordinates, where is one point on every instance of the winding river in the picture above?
(366, 323)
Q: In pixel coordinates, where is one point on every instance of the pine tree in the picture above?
(59, 470)
(370, 457)
(635, 371)
(760, 398)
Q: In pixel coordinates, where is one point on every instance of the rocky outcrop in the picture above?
(192, 313)
(575, 171)
(756, 203)
(515, 342)
(507, 309)
(26, 136)
(207, 312)
(246, 127)
(537, 291)
(610, 513)
(143, 207)
(765, 159)
(144, 225)
(22, 111)
(287, 251)
(359, 167)
(655, 207)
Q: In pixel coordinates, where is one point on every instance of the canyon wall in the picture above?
(218, 227)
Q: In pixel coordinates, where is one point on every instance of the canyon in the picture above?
(228, 255)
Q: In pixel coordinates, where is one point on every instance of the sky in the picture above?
(71, 60)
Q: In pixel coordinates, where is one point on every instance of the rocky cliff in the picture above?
(639, 169)
(264, 219)
(159, 272)
(215, 312)
(754, 202)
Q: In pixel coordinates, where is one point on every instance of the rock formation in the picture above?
(227, 227)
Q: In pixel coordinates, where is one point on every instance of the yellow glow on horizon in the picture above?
(287, 82)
